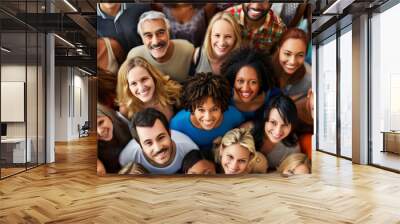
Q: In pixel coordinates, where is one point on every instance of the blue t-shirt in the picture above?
(252, 115)
(204, 138)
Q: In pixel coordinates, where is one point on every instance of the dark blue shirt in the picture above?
(122, 27)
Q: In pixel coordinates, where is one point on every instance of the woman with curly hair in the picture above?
(252, 81)
(207, 114)
(140, 85)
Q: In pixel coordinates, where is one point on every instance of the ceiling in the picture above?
(78, 27)
(332, 15)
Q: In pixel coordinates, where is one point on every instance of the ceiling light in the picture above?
(338, 6)
(5, 50)
(70, 5)
(65, 41)
(84, 71)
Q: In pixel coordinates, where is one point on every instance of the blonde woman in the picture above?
(222, 37)
(294, 164)
(140, 86)
(236, 153)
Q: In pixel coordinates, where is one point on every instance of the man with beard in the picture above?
(261, 27)
(158, 149)
(172, 57)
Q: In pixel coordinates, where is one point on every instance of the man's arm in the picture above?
(129, 153)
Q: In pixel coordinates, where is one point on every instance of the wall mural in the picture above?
(204, 88)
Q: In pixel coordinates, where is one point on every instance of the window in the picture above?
(327, 96)
(346, 92)
(385, 87)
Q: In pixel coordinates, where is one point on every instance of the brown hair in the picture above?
(167, 92)
(106, 84)
(291, 33)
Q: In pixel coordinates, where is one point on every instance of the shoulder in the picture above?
(291, 149)
(136, 51)
(234, 10)
(181, 115)
(183, 44)
(182, 141)
(130, 152)
(276, 19)
(233, 113)
(180, 118)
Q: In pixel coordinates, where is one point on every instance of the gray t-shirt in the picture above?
(177, 67)
(133, 152)
(279, 153)
(302, 86)
(203, 64)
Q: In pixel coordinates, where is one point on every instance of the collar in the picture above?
(105, 16)
(267, 21)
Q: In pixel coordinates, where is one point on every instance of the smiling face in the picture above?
(235, 159)
(256, 11)
(156, 38)
(202, 167)
(104, 128)
(300, 169)
(141, 84)
(156, 143)
(223, 38)
(275, 128)
(292, 55)
(246, 84)
(208, 115)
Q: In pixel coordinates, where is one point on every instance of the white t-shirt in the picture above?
(133, 152)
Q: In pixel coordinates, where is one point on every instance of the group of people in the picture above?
(236, 101)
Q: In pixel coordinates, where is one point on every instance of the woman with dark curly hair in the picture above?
(274, 136)
(207, 114)
(252, 81)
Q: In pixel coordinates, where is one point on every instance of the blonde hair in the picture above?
(236, 30)
(167, 92)
(291, 162)
(241, 136)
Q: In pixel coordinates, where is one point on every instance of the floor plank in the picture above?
(69, 191)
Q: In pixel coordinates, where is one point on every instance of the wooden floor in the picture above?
(70, 192)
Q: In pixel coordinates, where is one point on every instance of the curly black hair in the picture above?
(203, 85)
(255, 59)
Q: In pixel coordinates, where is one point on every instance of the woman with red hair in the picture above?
(294, 76)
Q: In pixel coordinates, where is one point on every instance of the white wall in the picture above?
(71, 93)
(12, 73)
